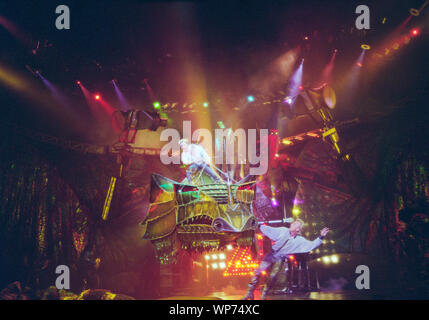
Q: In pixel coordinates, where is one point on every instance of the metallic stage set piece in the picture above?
(199, 217)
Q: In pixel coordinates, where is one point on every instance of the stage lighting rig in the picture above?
(320, 101)
(129, 123)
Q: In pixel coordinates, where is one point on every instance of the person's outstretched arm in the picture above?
(307, 245)
(271, 232)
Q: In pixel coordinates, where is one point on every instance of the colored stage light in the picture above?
(359, 64)
(288, 100)
(250, 98)
(157, 105)
(415, 32)
(287, 142)
(301, 87)
(274, 202)
(296, 211)
(78, 82)
(205, 104)
(326, 259)
(365, 47)
(97, 97)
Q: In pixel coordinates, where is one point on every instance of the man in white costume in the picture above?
(286, 241)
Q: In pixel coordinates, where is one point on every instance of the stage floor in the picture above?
(237, 294)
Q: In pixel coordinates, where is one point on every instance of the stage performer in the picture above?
(286, 241)
(196, 158)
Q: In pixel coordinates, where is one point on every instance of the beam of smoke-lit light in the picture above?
(94, 100)
(122, 100)
(56, 93)
(327, 71)
(150, 91)
(23, 85)
(350, 84)
(15, 31)
(99, 107)
(295, 83)
(275, 74)
(90, 100)
(28, 88)
(106, 106)
(392, 42)
(12, 80)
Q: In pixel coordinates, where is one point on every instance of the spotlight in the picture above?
(365, 47)
(221, 125)
(334, 259)
(214, 265)
(301, 87)
(205, 104)
(274, 202)
(296, 211)
(359, 64)
(288, 100)
(156, 105)
(222, 256)
(415, 32)
(97, 97)
(229, 247)
(287, 142)
(78, 82)
(207, 257)
(222, 265)
(250, 98)
(326, 259)
(214, 256)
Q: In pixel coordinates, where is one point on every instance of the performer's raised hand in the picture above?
(324, 232)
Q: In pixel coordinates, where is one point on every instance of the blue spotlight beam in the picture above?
(122, 100)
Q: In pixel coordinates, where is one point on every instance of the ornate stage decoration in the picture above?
(242, 261)
(201, 217)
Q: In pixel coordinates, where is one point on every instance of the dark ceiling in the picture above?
(231, 44)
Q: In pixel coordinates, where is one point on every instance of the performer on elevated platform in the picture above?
(286, 241)
(197, 159)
